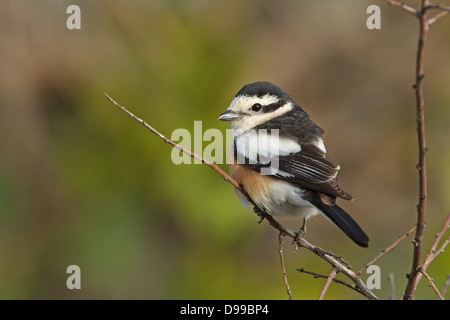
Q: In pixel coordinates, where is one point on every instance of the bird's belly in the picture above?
(277, 197)
(289, 210)
(285, 199)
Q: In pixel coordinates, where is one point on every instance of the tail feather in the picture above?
(341, 219)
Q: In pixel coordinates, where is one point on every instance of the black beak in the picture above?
(229, 116)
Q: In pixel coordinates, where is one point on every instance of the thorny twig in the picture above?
(283, 267)
(433, 253)
(424, 25)
(318, 275)
(385, 250)
(431, 283)
(330, 278)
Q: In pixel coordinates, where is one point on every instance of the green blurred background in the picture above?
(81, 183)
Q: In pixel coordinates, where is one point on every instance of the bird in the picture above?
(278, 158)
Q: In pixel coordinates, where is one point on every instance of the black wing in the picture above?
(310, 168)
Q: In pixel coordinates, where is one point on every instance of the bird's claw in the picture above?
(261, 214)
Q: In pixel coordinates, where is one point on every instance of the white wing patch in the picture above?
(319, 144)
(257, 145)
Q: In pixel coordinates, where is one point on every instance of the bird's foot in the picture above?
(261, 214)
(301, 233)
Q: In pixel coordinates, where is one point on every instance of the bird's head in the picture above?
(255, 104)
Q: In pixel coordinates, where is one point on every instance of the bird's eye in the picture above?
(256, 107)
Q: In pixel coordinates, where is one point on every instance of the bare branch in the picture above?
(441, 249)
(391, 285)
(433, 253)
(387, 249)
(405, 7)
(283, 268)
(327, 256)
(437, 6)
(355, 277)
(418, 269)
(178, 146)
(437, 17)
(414, 276)
(327, 283)
(421, 270)
(445, 287)
(431, 283)
(318, 275)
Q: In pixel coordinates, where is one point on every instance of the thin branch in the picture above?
(335, 261)
(340, 268)
(327, 283)
(387, 249)
(421, 166)
(437, 6)
(391, 285)
(431, 283)
(437, 17)
(441, 249)
(418, 269)
(405, 7)
(178, 146)
(445, 287)
(433, 253)
(326, 255)
(283, 268)
(318, 275)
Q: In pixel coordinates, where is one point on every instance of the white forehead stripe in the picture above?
(242, 103)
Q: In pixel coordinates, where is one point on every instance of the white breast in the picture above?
(285, 199)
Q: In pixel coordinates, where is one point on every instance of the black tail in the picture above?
(341, 219)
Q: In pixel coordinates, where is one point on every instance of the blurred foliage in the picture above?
(81, 183)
